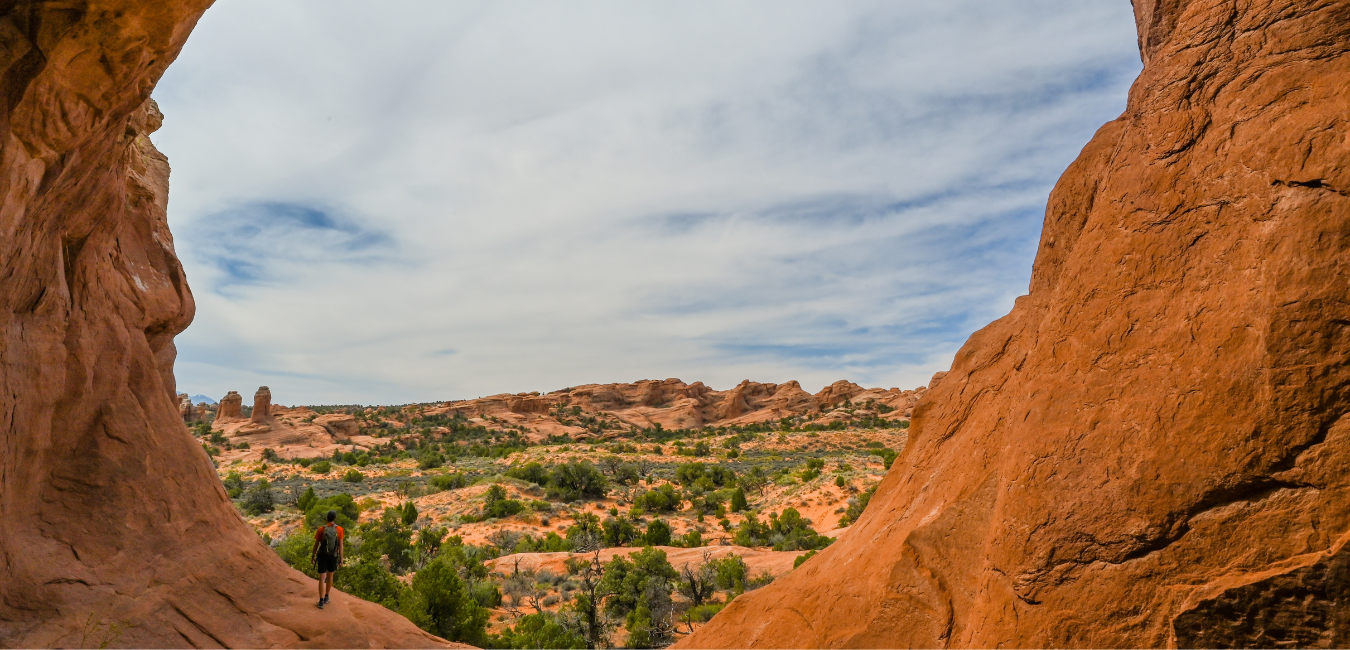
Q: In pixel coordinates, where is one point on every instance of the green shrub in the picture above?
(532, 472)
(347, 512)
(445, 607)
(544, 630)
(449, 481)
(233, 481)
(691, 473)
(730, 572)
(856, 506)
(803, 557)
(369, 580)
(704, 613)
(738, 502)
(887, 456)
(295, 549)
(321, 467)
(839, 481)
(662, 499)
(785, 532)
(430, 459)
(258, 499)
(304, 462)
(270, 455)
(619, 532)
(353, 476)
(576, 481)
(306, 500)
(408, 513)
(634, 581)
(495, 503)
(658, 533)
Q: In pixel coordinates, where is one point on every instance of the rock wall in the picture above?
(674, 404)
(115, 529)
(1153, 447)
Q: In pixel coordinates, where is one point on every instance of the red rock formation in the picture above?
(262, 406)
(340, 425)
(112, 514)
(673, 404)
(1153, 448)
(835, 394)
(231, 407)
(185, 407)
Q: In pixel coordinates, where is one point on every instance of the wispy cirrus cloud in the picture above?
(259, 241)
(437, 200)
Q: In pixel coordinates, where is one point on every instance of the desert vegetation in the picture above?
(489, 533)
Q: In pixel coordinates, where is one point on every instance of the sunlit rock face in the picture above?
(113, 526)
(1153, 447)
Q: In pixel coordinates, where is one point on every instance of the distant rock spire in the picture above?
(262, 405)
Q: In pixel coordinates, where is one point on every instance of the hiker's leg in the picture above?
(323, 578)
(327, 584)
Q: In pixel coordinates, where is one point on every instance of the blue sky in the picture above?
(437, 200)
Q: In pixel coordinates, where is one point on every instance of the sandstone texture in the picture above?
(1153, 447)
(262, 406)
(231, 407)
(116, 530)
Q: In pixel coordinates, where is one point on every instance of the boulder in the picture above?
(340, 425)
(1153, 448)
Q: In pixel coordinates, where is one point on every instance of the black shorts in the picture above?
(327, 563)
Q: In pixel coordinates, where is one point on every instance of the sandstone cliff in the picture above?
(673, 404)
(1153, 447)
(115, 527)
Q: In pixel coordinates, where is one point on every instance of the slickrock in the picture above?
(116, 529)
(340, 425)
(231, 407)
(1153, 447)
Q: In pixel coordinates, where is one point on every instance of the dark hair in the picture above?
(332, 515)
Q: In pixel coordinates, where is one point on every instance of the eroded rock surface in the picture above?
(262, 406)
(115, 528)
(673, 404)
(1153, 447)
(231, 407)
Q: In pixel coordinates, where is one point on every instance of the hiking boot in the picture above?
(320, 603)
(325, 599)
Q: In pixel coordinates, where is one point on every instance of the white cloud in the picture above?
(430, 200)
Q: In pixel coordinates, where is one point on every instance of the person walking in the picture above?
(327, 555)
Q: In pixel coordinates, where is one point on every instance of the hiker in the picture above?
(327, 555)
